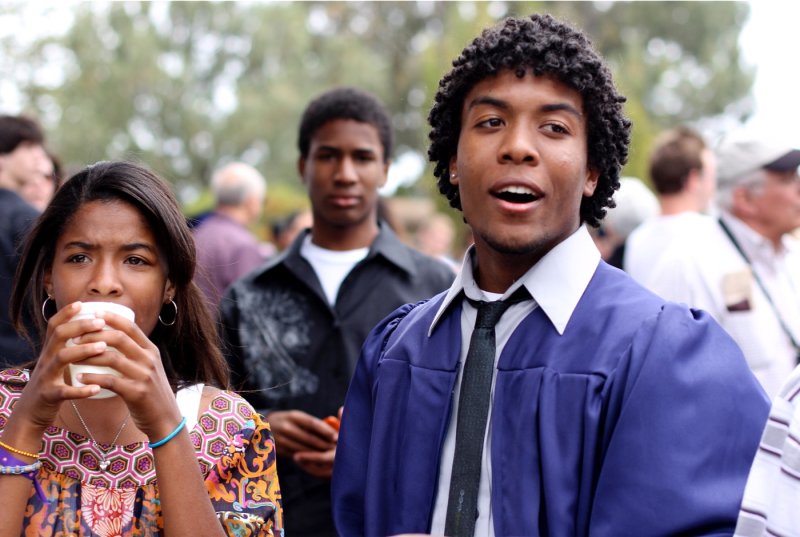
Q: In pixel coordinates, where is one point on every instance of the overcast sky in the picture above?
(771, 42)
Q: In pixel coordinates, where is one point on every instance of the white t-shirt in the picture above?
(188, 400)
(331, 266)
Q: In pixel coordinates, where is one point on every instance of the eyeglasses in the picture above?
(780, 179)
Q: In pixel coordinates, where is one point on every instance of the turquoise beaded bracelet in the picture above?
(7, 459)
(170, 436)
(18, 470)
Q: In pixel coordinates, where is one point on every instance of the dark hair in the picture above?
(676, 153)
(283, 224)
(548, 47)
(190, 349)
(345, 103)
(58, 176)
(16, 130)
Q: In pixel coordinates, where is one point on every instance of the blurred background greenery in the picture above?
(185, 87)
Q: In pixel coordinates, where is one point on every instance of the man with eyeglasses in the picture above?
(745, 270)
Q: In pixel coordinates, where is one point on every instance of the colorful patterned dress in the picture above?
(235, 451)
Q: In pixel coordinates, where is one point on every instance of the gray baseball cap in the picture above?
(737, 157)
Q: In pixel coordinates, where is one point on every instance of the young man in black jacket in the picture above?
(295, 326)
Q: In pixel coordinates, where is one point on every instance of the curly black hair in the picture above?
(547, 47)
(345, 103)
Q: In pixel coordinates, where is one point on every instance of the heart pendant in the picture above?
(103, 466)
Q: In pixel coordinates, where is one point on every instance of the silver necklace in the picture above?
(103, 453)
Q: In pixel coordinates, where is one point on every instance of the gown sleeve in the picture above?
(243, 485)
(684, 419)
(352, 450)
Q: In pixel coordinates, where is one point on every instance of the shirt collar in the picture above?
(386, 244)
(755, 245)
(216, 215)
(556, 282)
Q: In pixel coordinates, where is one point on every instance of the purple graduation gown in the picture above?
(642, 419)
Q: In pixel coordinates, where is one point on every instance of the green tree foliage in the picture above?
(187, 86)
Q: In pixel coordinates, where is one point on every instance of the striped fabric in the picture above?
(771, 504)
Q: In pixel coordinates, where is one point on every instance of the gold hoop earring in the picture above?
(174, 316)
(44, 305)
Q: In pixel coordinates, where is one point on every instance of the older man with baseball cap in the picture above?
(745, 270)
(769, 506)
(758, 184)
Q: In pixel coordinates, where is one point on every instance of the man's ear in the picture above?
(453, 170)
(742, 201)
(592, 176)
(693, 179)
(385, 178)
(301, 168)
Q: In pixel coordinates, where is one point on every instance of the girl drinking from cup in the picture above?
(170, 452)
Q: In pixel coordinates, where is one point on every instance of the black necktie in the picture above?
(473, 412)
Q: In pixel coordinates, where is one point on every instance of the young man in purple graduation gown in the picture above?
(613, 412)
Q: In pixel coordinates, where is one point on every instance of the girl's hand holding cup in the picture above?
(89, 310)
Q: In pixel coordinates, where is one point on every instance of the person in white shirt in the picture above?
(683, 172)
(745, 270)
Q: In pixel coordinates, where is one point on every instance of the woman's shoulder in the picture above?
(223, 407)
(12, 381)
(227, 424)
(15, 376)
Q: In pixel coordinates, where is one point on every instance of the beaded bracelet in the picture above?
(30, 454)
(20, 468)
(170, 436)
(8, 462)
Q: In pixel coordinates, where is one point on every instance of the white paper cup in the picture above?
(88, 311)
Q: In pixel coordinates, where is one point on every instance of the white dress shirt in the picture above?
(556, 284)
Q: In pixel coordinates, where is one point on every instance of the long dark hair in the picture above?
(190, 349)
